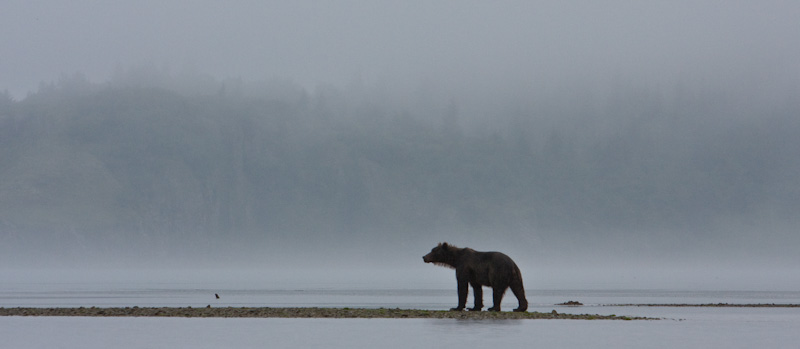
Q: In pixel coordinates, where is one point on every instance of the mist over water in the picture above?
(631, 145)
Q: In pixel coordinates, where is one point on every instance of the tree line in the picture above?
(145, 162)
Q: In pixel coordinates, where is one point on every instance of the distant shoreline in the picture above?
(338, 313)
(709, 305)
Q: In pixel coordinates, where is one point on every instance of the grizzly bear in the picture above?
(475, 268)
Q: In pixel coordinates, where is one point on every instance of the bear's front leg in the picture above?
(462, 295)
(478, 295)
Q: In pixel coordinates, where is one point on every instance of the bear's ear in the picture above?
(444, 244)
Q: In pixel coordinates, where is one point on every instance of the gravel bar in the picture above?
(339, 313)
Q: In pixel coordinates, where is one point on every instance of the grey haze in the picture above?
(295, 131)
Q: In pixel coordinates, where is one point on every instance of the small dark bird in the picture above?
(216, 295)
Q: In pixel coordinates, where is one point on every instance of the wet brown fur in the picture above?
(475, 268)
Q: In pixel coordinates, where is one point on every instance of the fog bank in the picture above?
(272, 172)
(363, 133)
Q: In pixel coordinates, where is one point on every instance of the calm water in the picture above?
(116, 293)
(681, 327)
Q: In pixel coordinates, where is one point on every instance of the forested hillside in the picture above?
(141, 164)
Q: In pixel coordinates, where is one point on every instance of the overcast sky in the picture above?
(496, 55)
(482, 44)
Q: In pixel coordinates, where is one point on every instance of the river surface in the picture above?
(727, 327)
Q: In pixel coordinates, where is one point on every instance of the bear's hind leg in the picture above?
(497, 296)
(519, 292)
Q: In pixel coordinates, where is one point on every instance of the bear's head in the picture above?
(442, 255)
